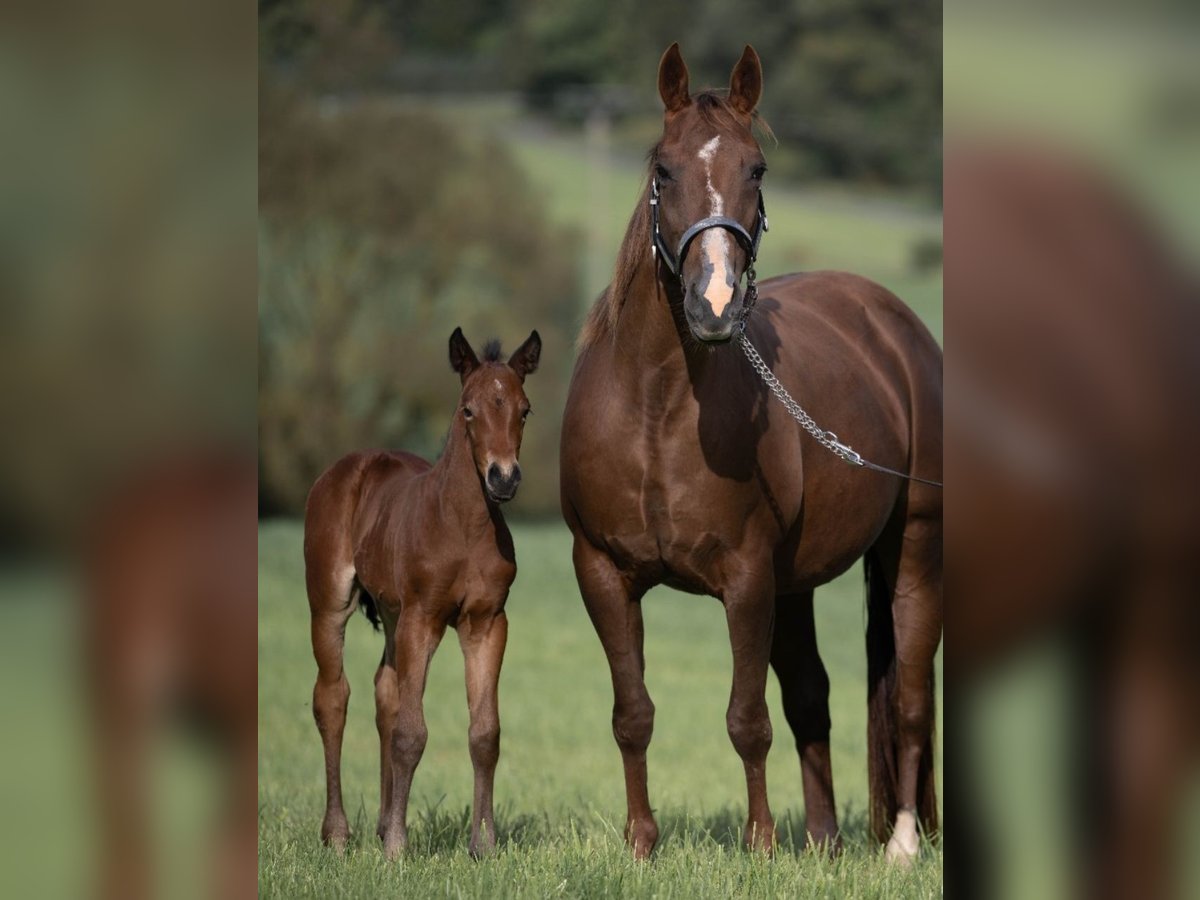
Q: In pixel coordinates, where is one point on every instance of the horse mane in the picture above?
(491, 351)
(715, 109)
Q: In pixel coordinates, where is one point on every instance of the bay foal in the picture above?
(420, 547)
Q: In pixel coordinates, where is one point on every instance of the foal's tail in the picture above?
(883, 733)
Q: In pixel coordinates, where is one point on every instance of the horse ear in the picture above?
(525, 360)
(462, 358)
(746, 82)
(673, 80)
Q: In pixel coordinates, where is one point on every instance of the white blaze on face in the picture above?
(716, 243)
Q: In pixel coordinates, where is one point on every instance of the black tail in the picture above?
(367, 604)
(882, 726)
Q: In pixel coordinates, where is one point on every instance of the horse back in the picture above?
(356, 488)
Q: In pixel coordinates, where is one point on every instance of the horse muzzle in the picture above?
(501, 485)
(707, 325)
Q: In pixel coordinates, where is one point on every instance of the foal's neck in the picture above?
(460, 491)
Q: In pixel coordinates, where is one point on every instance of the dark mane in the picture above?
(491, 351)
(714, 109)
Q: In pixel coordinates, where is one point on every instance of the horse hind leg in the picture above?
(903, 636)
(332, 600)
(387, 701)
(804, 684)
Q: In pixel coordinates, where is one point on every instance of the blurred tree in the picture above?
(853, 87)
(380, 231)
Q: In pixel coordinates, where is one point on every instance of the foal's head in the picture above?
(494, 407)
(708, 164)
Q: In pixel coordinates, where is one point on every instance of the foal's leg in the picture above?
(917, 618)
(750, 612)
(331, 600)
(386, 704)
(417, 636)
(483, 639)
(616, 612)
(805, 687)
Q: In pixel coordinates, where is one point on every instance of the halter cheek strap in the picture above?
(674, 260)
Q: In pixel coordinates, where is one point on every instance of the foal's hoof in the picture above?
(760, 836)
(641, 838)
(394, 845)
(335, 832)
(482, 849)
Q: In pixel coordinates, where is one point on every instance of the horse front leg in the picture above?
(616, 613)
(483, 639)
(750, 613)
(417, 637)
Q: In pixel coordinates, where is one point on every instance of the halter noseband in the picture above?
(674, 261)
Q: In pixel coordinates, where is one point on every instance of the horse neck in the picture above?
(647, 342)
(459, 491)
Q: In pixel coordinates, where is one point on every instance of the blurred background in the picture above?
(1072, 222)
(429, 165)
(421, 166)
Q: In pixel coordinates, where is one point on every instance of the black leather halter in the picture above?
(748, 240)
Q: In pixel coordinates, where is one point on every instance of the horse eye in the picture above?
(758, 173)
(525, 415)
(661, 171)
(468, 413)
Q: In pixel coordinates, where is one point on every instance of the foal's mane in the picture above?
(491, 351)
(715, 109)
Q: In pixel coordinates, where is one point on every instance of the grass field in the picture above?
(559, 789)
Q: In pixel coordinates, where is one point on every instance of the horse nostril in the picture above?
(493, 473)
(516, 475)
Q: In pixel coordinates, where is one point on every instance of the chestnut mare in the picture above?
(420, 547)
(680, 468)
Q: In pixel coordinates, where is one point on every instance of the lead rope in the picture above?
(826, 439)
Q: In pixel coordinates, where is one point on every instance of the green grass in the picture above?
(559, 788)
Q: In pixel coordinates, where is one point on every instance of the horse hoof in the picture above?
(482, 849)
(826, 844)
(394, 846)
(760, 837)
(641, 838)
(335, 833)
(905, 842)
(898, 855)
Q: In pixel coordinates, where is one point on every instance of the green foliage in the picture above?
(380, 232)
(559, 789)
(852, 87)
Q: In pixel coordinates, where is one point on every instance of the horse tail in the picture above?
(882, 730)
(883, 734)
(366, 604)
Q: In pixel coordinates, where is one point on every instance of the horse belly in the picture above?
(818, 553)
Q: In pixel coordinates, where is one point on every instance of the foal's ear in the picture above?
(673, 80)
(462, 358)
(746, 82)
(525, 360)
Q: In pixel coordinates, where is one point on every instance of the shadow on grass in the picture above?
(725, 827)
(436, 830)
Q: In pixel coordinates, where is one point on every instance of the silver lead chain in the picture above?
(826, 439)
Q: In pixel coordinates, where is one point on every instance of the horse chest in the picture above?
(662, 527)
